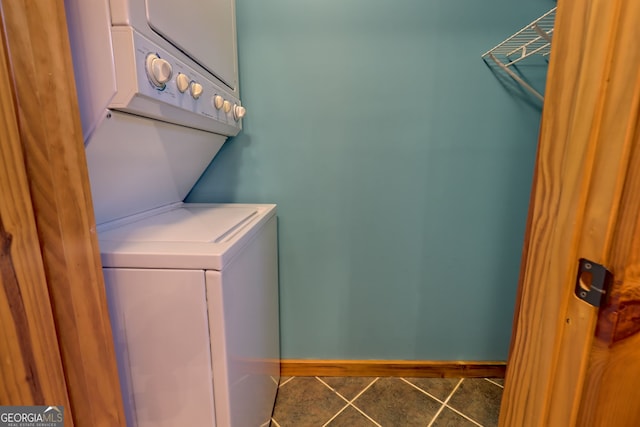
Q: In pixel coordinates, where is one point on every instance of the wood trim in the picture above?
(51, 137)
(390, 368)
(526, 245)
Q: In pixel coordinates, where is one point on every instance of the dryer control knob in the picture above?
(238, 112)
(182, 81)
(196, 90)
(218, 102)
(226, 105)
(158, 69)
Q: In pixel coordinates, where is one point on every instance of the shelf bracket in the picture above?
(517, 78)
(534, 39)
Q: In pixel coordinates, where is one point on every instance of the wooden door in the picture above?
(571, 364)
(31, 371)
(56, 346)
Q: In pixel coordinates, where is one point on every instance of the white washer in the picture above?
(193, 295)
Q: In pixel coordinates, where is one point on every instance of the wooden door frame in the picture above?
(31, 371)
(40, 72)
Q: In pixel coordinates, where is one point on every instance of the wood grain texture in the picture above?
(583, 157)
(620, 317)
(51, 137)
(31, 370)
(611, 393)
(526, 245)
(610, 140)
(390, 368)
(611, 390)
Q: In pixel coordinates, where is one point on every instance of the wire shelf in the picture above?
(534, 39)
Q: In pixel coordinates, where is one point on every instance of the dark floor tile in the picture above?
(392, 402)
(478, 399)
(305, 401)
(449, 418)
(350, 417)
(437, 387)
(348, 387)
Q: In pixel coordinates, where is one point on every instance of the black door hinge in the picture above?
(593, 282)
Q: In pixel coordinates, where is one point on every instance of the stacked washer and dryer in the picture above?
(192, 288)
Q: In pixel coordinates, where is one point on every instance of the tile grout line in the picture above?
(360, 410)
(290, 378)
(340, 396)
(463, 415)
(493, 382)
(444, 404)
(273, 420)
(423, 391)
(336, 414)
(350, 403)
(365, 415)
(333, 390)
(466, 416)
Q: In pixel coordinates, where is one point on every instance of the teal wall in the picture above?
(401, 167)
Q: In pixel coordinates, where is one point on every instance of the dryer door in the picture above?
(202, 29)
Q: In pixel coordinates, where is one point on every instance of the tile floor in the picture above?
(387, 402)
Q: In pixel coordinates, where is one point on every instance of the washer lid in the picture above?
(203, 224)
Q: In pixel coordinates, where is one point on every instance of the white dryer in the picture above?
(192, 288)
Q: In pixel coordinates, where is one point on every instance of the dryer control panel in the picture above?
(153, 83)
